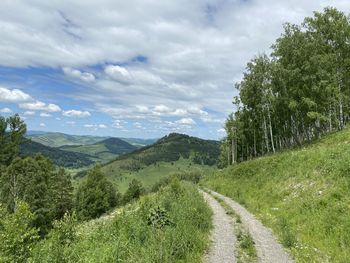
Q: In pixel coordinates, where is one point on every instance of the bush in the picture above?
(17, 236)
(134, 191)
(95, 196)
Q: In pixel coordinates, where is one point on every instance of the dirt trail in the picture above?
(267, 247)
(223, 237)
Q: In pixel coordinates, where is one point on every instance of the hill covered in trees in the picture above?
(57, 156)
(298, 93)
(170, 149)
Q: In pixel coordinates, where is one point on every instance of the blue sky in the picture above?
(136, 68)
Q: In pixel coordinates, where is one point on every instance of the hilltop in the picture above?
(58, 139)
(171, 154)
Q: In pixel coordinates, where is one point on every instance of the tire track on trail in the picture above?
(223, 237)
(267, 247)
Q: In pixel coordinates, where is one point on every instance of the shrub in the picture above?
(95, 196)
(17, 236)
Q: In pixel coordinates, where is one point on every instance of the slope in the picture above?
(302, 194)
(59, 157)
(57, 139)
(105, 150)
(171, 154)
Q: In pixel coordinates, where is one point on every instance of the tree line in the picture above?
(299, 92)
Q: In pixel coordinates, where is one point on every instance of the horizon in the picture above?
(112, 70)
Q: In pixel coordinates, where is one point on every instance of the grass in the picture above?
(303, 195)
(171, 225)
(245, 249)
(151, 174)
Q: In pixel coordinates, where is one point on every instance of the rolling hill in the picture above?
(171, 154)
(104, 150)
(57, 139)
(58, 156)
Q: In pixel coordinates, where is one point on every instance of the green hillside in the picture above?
(171, 154)
(302, 194)
(59, 157)
(105, 150)
(57, 139)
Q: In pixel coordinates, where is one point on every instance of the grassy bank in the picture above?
(302, 194)
(171, 225)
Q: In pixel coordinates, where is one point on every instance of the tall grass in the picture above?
(171, 225)
(302, 194)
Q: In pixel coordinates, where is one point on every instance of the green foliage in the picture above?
(297, 94)
(17, 236)
(302, 195)
(59, 157)
(12, 130)
(35, 181)
(54, 247)
(158, 217)
(134, 191)
(95, 196)
(129, 237)
(171, 148)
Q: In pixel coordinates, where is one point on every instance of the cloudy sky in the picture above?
(136, 68)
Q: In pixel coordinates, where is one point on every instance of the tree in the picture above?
(95, 196)
(17, 236)
(62, 194)
(298, 93)
(134, 191)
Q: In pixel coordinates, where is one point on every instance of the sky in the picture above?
(136, 68)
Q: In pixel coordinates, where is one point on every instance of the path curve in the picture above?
(223, 237)
(267, 247)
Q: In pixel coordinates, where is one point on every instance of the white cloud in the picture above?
(29, 113)
(42, 125)
(118, 124)
(74, 73)
(40, 106)
(95, 126)
(221, 130)
(45, 115)
(186, 121)
(76, 113)
(5, 110)
(137, 125)
(193, 51)
(14, 95)
(72, 123)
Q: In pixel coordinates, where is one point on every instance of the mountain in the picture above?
(170, 148)
(171, 154)
(104, 150)
(58, 156)
(57, 139)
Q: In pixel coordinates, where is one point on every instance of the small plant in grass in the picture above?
(159, 218)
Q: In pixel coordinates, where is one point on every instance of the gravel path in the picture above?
(267, 247)
(223, 237)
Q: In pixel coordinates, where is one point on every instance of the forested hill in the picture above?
(171, 148)
(298, 93)
(57, 156)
